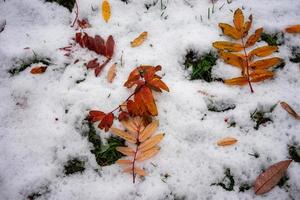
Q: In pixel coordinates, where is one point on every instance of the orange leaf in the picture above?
(158, 84)
(139, 40)
(106, 10)
(106, 122)
(126, 136)
(130, 126)
(238, 19)
(247, 26)
(38, 70)
(254, 38)
(124, 162)
(290, 110)
(133, 76)
(260, 75)
(227, 141)
(265, 63)
(237, 81)
(270, 178)
(230, 31)
(147, 154)
(95, 115)
(232, 59)
(148, 144)
(126, 151)
(263, 51)
(148, 131)
(135, 170)
(148, 100)
(293, 29)
(229, 46)
(111, 74)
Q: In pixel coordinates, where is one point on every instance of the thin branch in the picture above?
(76, 13)
(247, 66)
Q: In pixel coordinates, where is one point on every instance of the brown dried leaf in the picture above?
(126, 151)
(124, 162)
(147, 154)
(126, 136)
(139, 40)
(148, 131)
(151, 142)
(290, 110)
(227, 141)
(229, 46)
(38, 69)
(270, 178)
(137, 171)
(111, 74)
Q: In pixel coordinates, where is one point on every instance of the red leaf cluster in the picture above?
(140, 103)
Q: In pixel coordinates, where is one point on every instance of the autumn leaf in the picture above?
(148, 131)
(254, 38)
(38, 70)
(124, 162)
(148, 100)
(265, 63)
(106, 10)
(139, 40)
(263, 51)
(147, 154)
(229, 46)
(230, 31)
(95, 115)
(270, 177)
(110, 45)
(106, 122)
(232, 59)
(293, 29)
(290, 110)
(227, 141)
(260, 75)
(238, 19)
(149, 143)
(111, 74)
(126, 136)
(126, 151)
(247, 26)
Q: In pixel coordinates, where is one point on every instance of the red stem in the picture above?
(135, 153)
(247, 66)
(76, 13)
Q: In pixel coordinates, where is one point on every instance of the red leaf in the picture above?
(83, 23)
(148, 100)
(158, 84)
(123, 116)
(98, 70)
(270, 178)
(38, 70)
(99, 45)
(107, 122)
(133, 76)
(110, 45)
(95, 115)
(92, 64)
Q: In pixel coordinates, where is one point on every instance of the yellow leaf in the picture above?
(230, 31)
(147, 154)
(238, 19)
(139, 40)
(124, 135)
(136, 170)
(254, 38)
(111, 74)
(232, 59)
(148, 131)
(260, 75)
(106, 10)
(293, 29)
(263, 51)
(237, 81)
(229, 46)
(124, 162)
(227, 141)
(265, 63)
(148, 144)
(247, 26)
(126, 151)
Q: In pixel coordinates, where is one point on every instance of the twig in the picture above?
(76, 13)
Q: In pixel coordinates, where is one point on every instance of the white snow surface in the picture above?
(34, 146)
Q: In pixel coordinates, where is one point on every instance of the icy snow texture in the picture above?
(34, 146)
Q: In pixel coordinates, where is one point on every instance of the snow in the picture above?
(34, 146)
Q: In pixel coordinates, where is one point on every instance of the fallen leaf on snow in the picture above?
(111, 74)
(289, 109)
(38, 70)
(227, 141)
(139, 40)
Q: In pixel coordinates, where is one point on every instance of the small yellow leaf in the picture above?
(293, 29)
(229, 46)
(263, 51)
(148, 144)
(254, 38)
(265, 63)
(238, 19)
(147, 154)
(227, 141)
(237, 81)
(232, 59)
(124, 162)
(111, 74)
(106, 10)
(139, 40)
(126, 151)
(148, 131)
(126, 136)
(230, 31)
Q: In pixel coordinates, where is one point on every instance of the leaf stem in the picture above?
(247, 66)
(135, 153)
(76, 13)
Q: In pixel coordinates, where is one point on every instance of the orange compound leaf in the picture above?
(135, 170)
(125, 135)
(260, 75)
(38, 70)
(266, 63)
(158, 85)
(124, 162)
(254, 38)
(237, 81)
(95, 115)
(148, 131)
(126, 151)
(148, 100)
(263, 51)
(110, 45)
(293, 29)
(106, 122)
(147, 154)
(238, 19)
(230, 31)
(229, 46)
(151, 142)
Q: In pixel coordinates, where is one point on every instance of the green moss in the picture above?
(69, 4)
(262, 116)
(74, 166)
(24, 64)
(106, 154)
(273, 39)
(201, 65)
(227, 182)
(294, 152)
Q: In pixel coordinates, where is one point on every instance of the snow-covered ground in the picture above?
(37, 136)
